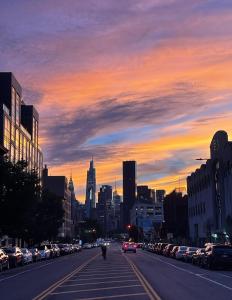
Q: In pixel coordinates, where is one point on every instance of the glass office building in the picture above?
(19, 125)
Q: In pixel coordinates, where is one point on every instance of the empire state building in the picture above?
(90, 199)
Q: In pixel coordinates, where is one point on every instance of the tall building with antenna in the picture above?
(90, 199)
(74, 205)
(117, 199)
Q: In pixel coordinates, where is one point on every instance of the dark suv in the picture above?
(4, 260)
(15, 256)
(217, 256)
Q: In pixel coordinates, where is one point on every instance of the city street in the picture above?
(86, 276)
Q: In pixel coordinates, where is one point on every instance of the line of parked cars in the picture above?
(11, 257)
(210, 257)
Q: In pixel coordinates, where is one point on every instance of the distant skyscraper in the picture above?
(116, 209)
(160, 194)
(104, 207)
(90, 199)
(129, 189)
(74, 205)
(143, 193)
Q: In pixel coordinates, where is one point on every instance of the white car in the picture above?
(44, 252)
(180, 252)
(27, 256)
(87, 246)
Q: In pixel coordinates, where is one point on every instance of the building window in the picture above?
(17, 109)
(12, 132)
(17, 145)
(6, 133)
(13, 102)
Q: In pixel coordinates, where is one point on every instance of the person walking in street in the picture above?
(103, 248)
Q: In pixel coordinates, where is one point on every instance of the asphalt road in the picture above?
(139, 276)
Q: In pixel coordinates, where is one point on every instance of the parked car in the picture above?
(181, 252)
(173, 251)
(150, 247)
(56, 250)
(52, 250)
(197, 257)
(87, 246)
(156, 247)
(161, 248)
(77, 247)
(27, 256)
(129, 246)
(144, 246)
(217, 256)
(168, 249)
(189, 253)
(64, 249)
(4, 260)
(45, 253)
(36, 256)
(15, 256)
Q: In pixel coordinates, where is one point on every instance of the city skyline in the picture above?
(119, 82)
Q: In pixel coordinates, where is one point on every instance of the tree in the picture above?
(27, 212)
(49, 217)
(19, 193)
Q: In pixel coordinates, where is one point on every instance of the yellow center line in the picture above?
(148, 288)
(49, 290)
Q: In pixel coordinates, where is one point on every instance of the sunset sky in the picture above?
(147, 80)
